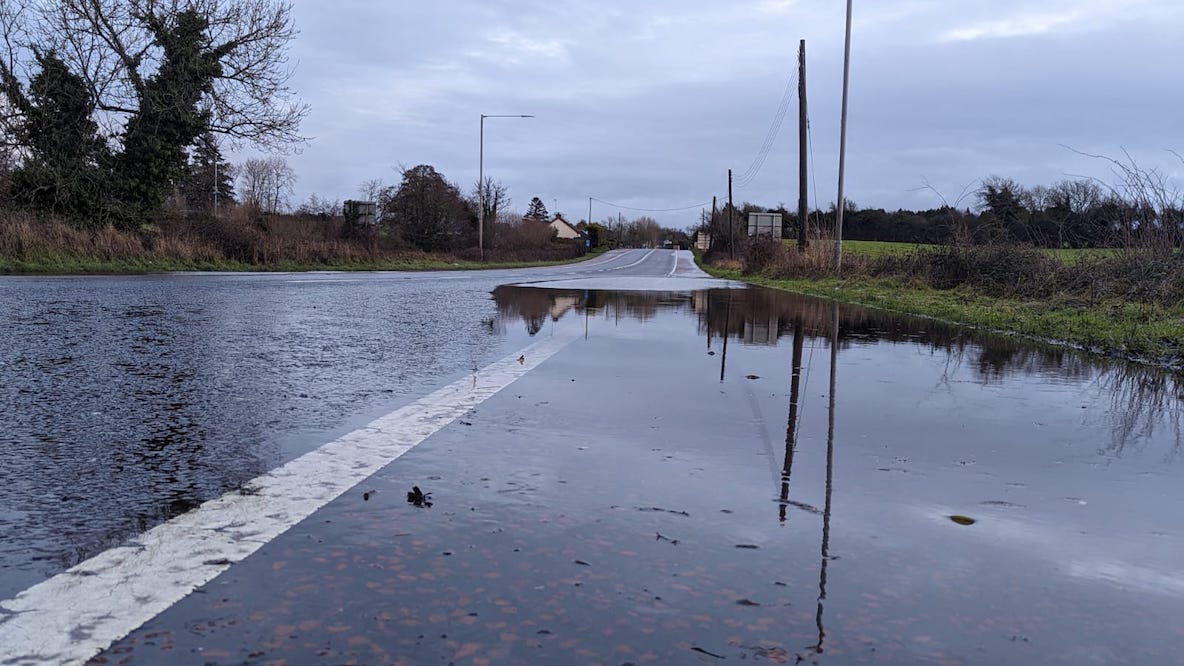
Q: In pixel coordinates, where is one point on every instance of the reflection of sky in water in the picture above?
(1067, 463)
(945, 367)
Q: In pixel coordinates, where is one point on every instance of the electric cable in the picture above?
(758, 162)
(650, 210)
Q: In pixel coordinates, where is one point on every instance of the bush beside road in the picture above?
(1126, 303)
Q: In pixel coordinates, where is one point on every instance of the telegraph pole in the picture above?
(731, 226)
(803, 139)
(843, 145)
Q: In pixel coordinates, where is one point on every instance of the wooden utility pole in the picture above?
(731, 226)
(843, 146)
(803, 143)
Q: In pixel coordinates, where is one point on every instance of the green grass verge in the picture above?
(1140, 331)
(881, 248)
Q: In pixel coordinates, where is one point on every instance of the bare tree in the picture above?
(266, 183)
(371, 190)
(646, 230)
(115, 47)
(496, 197)
(496, 201)
(316, 206)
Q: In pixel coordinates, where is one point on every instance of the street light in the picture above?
(481, 182)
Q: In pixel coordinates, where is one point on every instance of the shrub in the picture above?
(762, 252)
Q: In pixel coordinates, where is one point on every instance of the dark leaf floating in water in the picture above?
(419, 497)
(963, 520)
(709, 654)
(659, 509)
(752, 376)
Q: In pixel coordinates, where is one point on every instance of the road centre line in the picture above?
(74, 615)
(619, 268)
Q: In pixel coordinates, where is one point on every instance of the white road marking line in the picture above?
(75, 615)
(647, 256)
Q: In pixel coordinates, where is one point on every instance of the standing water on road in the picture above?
(724, 473)
(125, 401)
(739, 474)
(956, 495)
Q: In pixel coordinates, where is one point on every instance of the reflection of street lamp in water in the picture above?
(791, 446)
(830, 468)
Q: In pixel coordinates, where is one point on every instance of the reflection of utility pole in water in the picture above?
(708, 299)
(830, 466)
(723, 360)
(791, 430)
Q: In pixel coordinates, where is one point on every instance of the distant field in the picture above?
(881, 248)
(871, 248)
(1076, 255)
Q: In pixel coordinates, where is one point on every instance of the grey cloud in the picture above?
(649, 104)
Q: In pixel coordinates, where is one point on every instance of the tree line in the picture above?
(1141, 210)
(115, 113)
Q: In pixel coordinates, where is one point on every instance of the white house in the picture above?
(563, 228)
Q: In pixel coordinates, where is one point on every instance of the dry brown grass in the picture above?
(237, 240)
(24, 238)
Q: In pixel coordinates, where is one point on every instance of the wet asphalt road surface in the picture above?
(663, 491)
(125, 401)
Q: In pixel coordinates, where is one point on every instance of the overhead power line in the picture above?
(651, 210)
(758, 162)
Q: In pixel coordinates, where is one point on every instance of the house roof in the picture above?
(559, 218)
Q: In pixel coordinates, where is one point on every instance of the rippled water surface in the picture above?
(126, 400)
(733, 474)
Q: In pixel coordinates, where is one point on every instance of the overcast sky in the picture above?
(648, 103)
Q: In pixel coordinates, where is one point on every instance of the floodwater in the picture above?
(740, 474)
(125, 401)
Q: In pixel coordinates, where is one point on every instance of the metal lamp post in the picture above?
(481, 182)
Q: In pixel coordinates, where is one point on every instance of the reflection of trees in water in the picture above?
(1143, 401)
(535, 306)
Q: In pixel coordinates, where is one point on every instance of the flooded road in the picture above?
(693, 476)
(125, 401)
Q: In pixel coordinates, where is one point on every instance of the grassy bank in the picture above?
(29, 246)
(1146, 329)
(51, 265)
